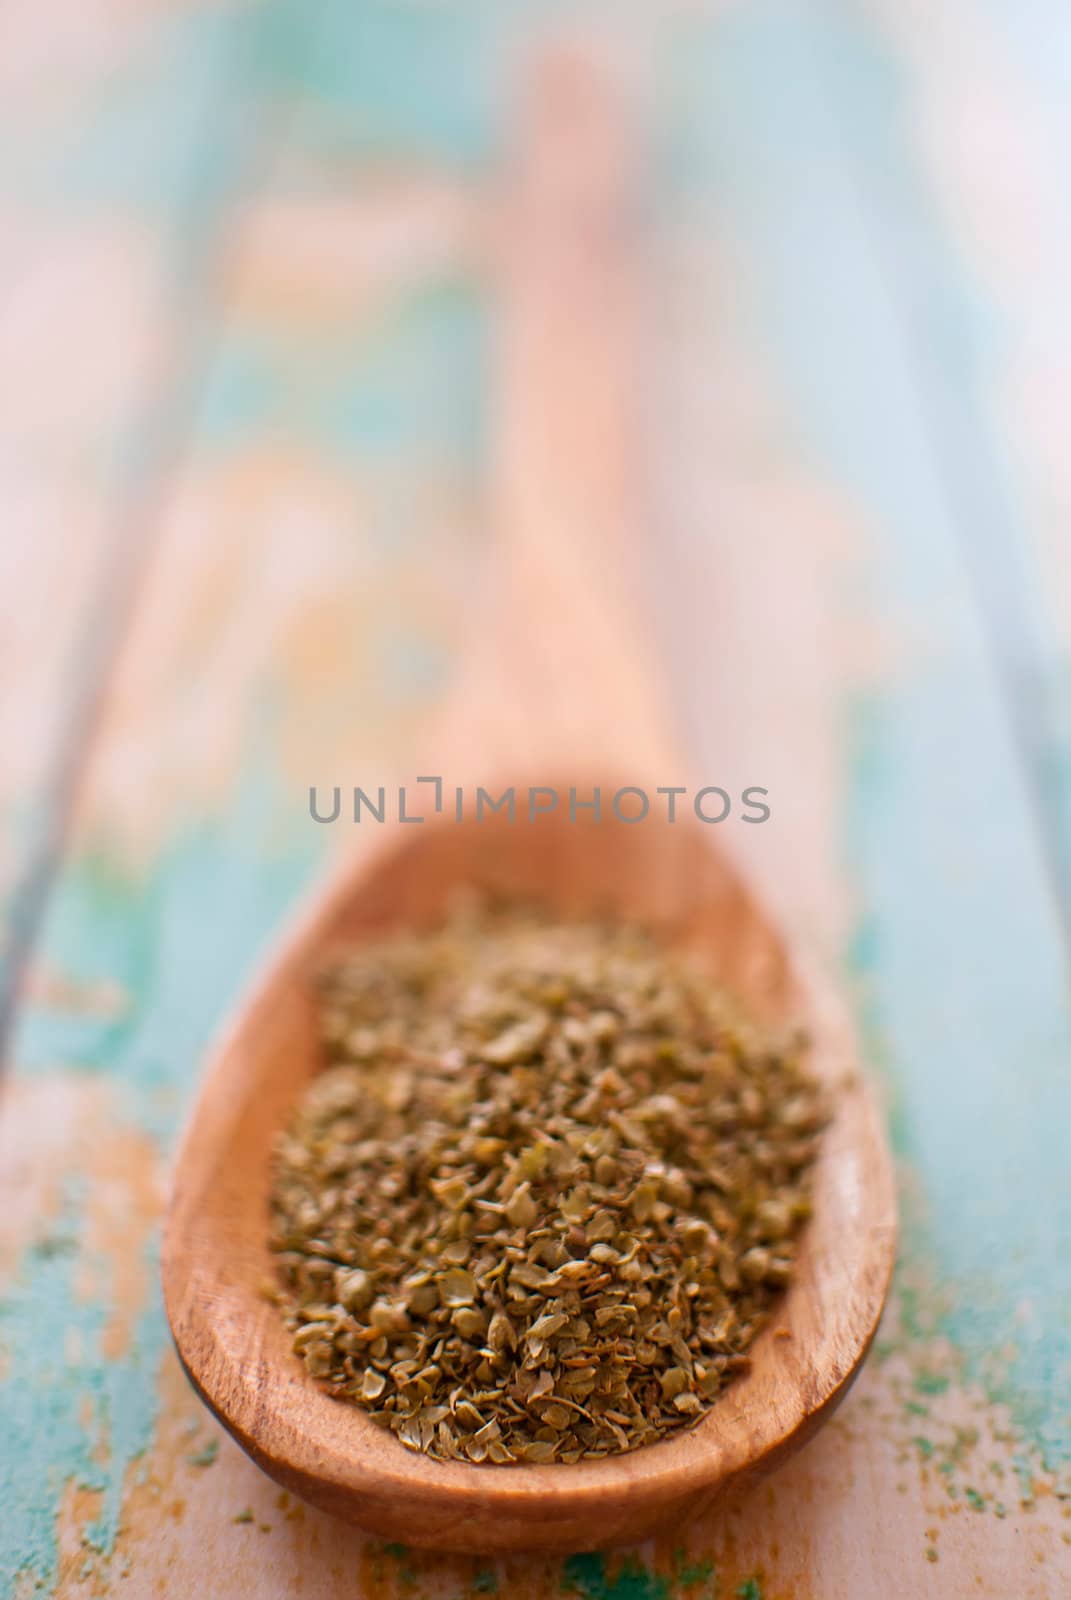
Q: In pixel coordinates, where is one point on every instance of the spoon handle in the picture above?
(564, 676)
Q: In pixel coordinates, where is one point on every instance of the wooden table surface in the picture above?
(246, 295)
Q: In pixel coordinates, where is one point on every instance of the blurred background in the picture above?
(250, 292)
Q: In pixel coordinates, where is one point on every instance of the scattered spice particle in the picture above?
(402, 1555)
(53, 1244)
(205, 1457)
(591, 1577)
(974, 1499)
(691, 1573)
(931, 1553)
(750, 1589)
(243, 1516)
(919, 1346)
(486, 1581)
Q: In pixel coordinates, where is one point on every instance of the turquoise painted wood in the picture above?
(800, 161)
(801, 134)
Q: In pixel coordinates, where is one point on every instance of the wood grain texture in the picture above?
(788, 598)
(122, 294)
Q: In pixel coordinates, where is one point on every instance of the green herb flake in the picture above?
(692, 1573)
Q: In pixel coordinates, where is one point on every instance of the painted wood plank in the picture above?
(992, 144)
(118, 219)
(297, 612)
(832, 261)
(121, 147)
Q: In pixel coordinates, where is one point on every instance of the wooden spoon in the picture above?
(558, 691)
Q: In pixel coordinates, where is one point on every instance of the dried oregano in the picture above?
(545, 1192)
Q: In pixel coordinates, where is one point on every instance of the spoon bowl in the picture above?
(233, 1342)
